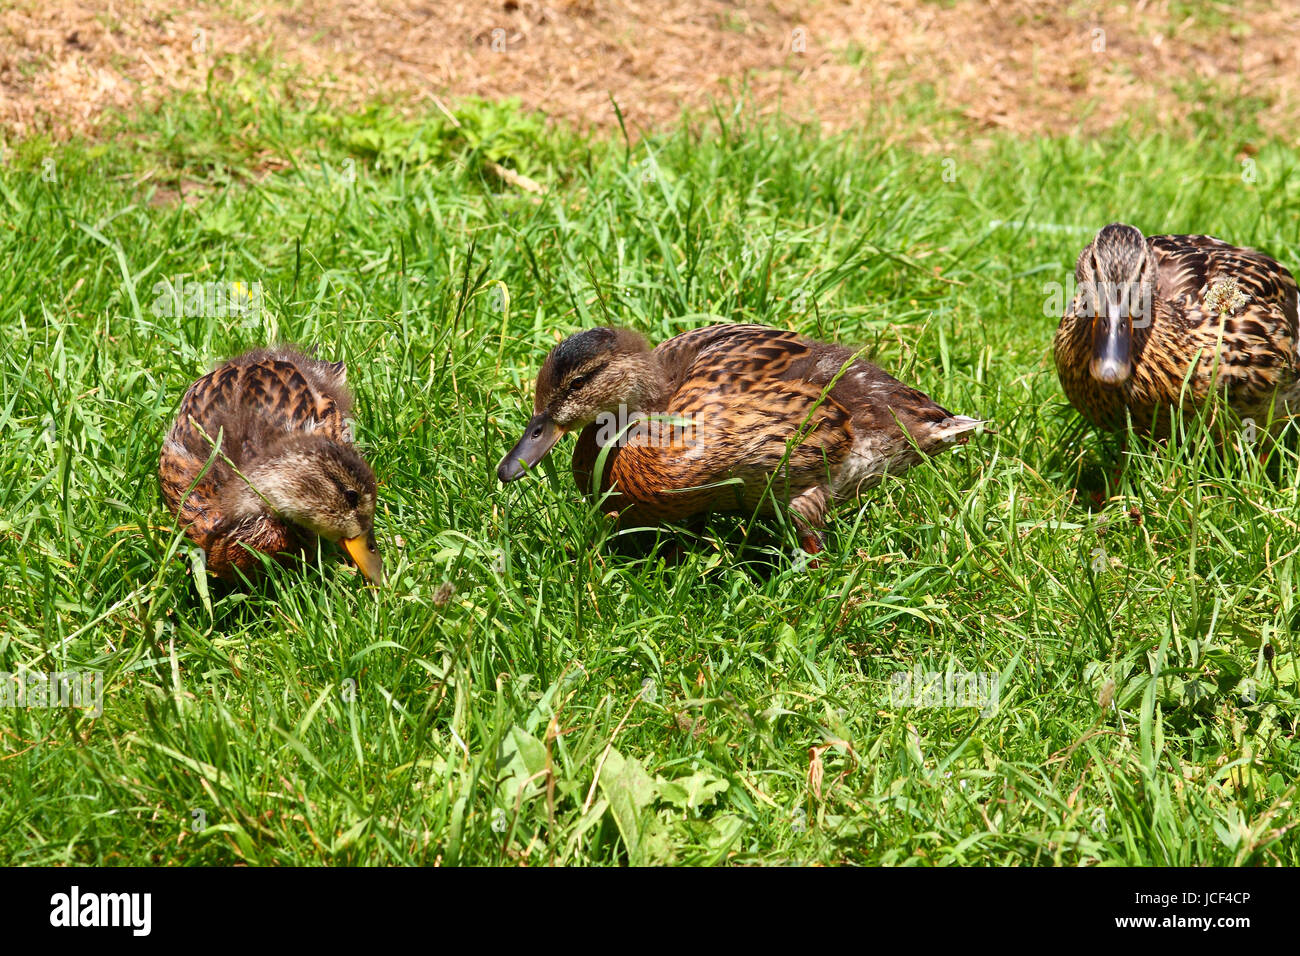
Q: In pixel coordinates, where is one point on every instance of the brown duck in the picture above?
(1151, 309)
(727, 418)
(286, 472)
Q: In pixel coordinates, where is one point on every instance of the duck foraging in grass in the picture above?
(285, 473)
(1151, 309)
(743, 417)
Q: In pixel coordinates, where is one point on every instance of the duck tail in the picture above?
(956, 430)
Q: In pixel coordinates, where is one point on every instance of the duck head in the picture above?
(320, 486)
(599, 371)
(1115, 275)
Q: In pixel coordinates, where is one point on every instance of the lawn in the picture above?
(534, 688)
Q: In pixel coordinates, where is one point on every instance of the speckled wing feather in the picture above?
(1188, 265)
(1210, 284)
(754, 413)
(733, 358)
(1230, 313)
(259, 393)
(249, 402)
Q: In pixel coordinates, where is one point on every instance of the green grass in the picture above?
(530, 688)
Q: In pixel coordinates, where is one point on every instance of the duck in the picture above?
(260, 460)
(1153, 312)
(732, 417)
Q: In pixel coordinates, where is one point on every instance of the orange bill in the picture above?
(363, 551)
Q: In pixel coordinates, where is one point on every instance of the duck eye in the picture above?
(580, 381)
(351, 497)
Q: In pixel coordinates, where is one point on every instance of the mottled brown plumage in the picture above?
(286, 471)
(1151, 309)
(750, 418)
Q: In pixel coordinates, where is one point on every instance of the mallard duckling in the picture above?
(286, 472)
(1148, 310)
(755, 415)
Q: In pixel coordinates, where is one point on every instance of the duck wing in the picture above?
(1213, 289)
(1190, 265)
(260, 394)
(745, 421)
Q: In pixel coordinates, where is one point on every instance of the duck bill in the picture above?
(539, 438)
(1112, 347)
(363, 551)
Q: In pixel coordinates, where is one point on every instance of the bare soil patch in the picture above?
(1029, 67)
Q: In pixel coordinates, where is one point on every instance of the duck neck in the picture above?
(268, 489)
(643, 390)
(648, 387)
